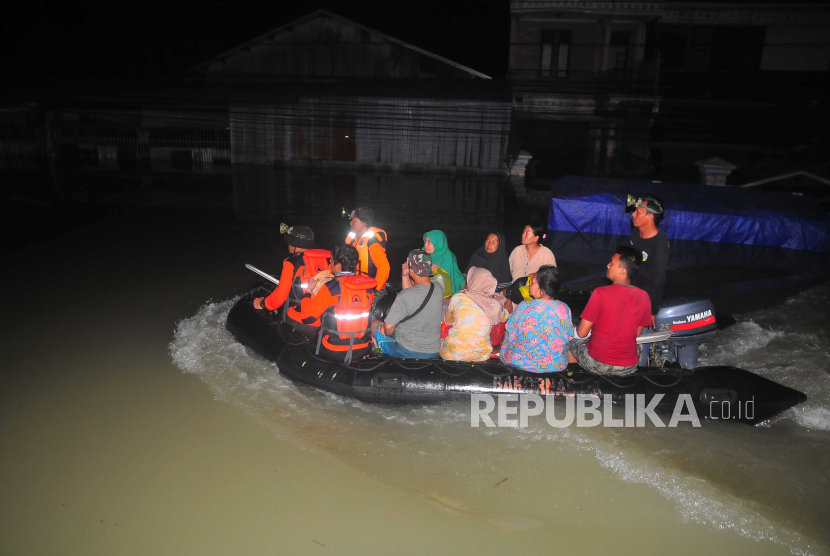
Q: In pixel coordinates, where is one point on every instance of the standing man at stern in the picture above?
(370, 243)
(654, 247)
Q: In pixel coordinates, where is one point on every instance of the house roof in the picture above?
(325, 13)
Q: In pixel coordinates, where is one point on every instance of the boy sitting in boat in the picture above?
(412, 328)
(615, 316)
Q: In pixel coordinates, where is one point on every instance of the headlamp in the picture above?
(632, 203)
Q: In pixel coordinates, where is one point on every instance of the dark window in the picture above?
(673, 50)
(181, 159)
(556, 52)
(620, 38)
(619, 48)
(738, 48)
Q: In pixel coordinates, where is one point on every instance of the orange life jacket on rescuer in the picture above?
(344, 331)
(362, 244)
(313, 262)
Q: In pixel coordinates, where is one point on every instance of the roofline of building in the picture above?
(656, 6)
(326, 13)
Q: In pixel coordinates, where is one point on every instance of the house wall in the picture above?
(374, 133)
(796, 49)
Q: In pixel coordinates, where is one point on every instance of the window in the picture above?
(619, 49)
(556, 50)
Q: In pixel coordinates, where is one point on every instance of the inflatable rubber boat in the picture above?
(386, 380)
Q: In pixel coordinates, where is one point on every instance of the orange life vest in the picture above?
(362, 243)
(344, 331)
(314, 261)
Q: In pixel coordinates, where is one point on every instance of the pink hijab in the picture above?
(480, 288)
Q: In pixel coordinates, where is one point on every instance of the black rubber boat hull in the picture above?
(386, 380)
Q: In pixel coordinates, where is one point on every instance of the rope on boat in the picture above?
(291, 339)
(677, 381)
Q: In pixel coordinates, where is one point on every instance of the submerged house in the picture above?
(329, 92)
(319, 92)
(629, 88)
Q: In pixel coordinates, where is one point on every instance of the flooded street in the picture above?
(131, 422)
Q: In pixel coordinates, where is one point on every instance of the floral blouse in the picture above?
(536, 335)
(469, 338)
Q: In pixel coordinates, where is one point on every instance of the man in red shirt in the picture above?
(615, 316)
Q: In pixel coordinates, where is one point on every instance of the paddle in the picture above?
(264, 275)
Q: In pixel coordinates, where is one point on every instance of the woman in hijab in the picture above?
(435, 243)
(472, 313)
(493, 256)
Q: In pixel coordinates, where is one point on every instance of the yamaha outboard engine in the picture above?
(691, 319)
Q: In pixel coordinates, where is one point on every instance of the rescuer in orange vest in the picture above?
(299, 239)
(370, 244)
(344, 261)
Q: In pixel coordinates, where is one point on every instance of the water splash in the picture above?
(789, 344)
(423, 439)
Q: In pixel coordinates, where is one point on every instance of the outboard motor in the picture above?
(691, 319)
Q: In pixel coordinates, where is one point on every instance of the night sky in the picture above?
(47, 40)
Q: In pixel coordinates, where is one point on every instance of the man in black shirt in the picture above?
(654, 245)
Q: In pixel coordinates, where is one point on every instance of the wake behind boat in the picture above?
(386, 380)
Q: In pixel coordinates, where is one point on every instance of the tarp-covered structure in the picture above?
(693, 212)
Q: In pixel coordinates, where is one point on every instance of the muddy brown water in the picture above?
(132, 423)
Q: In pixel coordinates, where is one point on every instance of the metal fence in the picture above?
(374, 133)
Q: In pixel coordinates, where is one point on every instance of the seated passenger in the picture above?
(493, 256)
(531, 254)
(306, 317)
(615, 316)
(412, 327)
(299, 239)
(435, 243)
(345, 334)
(539, 329)
(472, 314)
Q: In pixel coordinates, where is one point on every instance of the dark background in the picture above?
(47, 40)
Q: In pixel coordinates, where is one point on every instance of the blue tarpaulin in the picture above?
(693, 212)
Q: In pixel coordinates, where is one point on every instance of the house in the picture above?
(629, 88)
(329, 92)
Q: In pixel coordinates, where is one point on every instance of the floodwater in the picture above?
(131, 422)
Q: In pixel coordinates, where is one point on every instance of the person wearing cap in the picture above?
(412, 328)
(655, 248)
(370, 243)
(299, 239)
